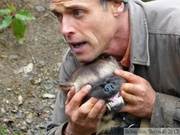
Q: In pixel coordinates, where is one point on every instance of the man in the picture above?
(143, 37)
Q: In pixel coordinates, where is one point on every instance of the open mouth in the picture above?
(115, 103)
(78, 45)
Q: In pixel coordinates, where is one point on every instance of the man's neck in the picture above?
(122, 37)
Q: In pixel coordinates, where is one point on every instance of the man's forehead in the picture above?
(55, 3)
(62, 1)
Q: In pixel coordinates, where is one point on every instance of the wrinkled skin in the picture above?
(86, 117)
(85, 36)
(138, 94)
(91, 31)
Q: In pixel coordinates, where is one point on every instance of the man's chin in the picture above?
(85, 59)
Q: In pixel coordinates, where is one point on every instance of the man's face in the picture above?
(86, 25)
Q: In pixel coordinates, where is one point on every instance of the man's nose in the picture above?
(67, 27)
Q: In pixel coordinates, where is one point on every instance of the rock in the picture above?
(23, 128)
(13, 57)
(36, 81)
(40, 8)
(26, 69)
(41, 106)
(8, 121)
(14, 110)
(9, 89)
(41, 63)
(21, 115)
(48, 87)
(3, 111)
(1, 66)
(29, 118)
(20, 100)
(48, 96)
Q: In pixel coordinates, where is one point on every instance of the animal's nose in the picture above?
(109, 88)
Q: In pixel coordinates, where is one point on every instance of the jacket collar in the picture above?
(139, 33)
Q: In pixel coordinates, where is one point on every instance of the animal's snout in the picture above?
(109, 88)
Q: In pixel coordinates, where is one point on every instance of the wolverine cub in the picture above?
(105, 85)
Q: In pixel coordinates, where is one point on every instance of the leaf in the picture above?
(11, 7)
(24, 15)
(6, 22)
(20, 41)
(5, 12)
(19, 28)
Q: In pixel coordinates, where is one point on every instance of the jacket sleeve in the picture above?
(166, 111)
(59, 120)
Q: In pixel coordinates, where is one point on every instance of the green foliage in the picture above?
(3, 131)
(19, 133)
(17, 19)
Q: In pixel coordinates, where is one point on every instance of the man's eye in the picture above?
(78, 12)
(58, 15)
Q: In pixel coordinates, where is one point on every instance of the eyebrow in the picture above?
(69, 7)
(74, 7)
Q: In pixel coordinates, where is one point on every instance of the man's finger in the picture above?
(130, 88)
(70, 94)
(128, 97)
(99, 115)
(96, 109)
(129, 77)
(79, 96)
(87, 106)
(127, 108)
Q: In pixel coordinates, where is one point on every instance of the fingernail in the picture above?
(101, 101)
(117, 71)
(88, 87)
(103, 109)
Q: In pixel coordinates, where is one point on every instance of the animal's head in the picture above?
(105, 85)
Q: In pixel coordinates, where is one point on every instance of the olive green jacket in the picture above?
(155, 56)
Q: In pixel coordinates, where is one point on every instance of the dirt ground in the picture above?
(29, 72)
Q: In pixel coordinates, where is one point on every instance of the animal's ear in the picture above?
(65, 87)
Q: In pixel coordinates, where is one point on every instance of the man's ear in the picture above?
(117, 8)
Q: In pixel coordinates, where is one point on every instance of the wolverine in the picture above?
(105, 85)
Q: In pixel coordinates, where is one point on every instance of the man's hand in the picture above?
(138, 94)
(83, 119)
